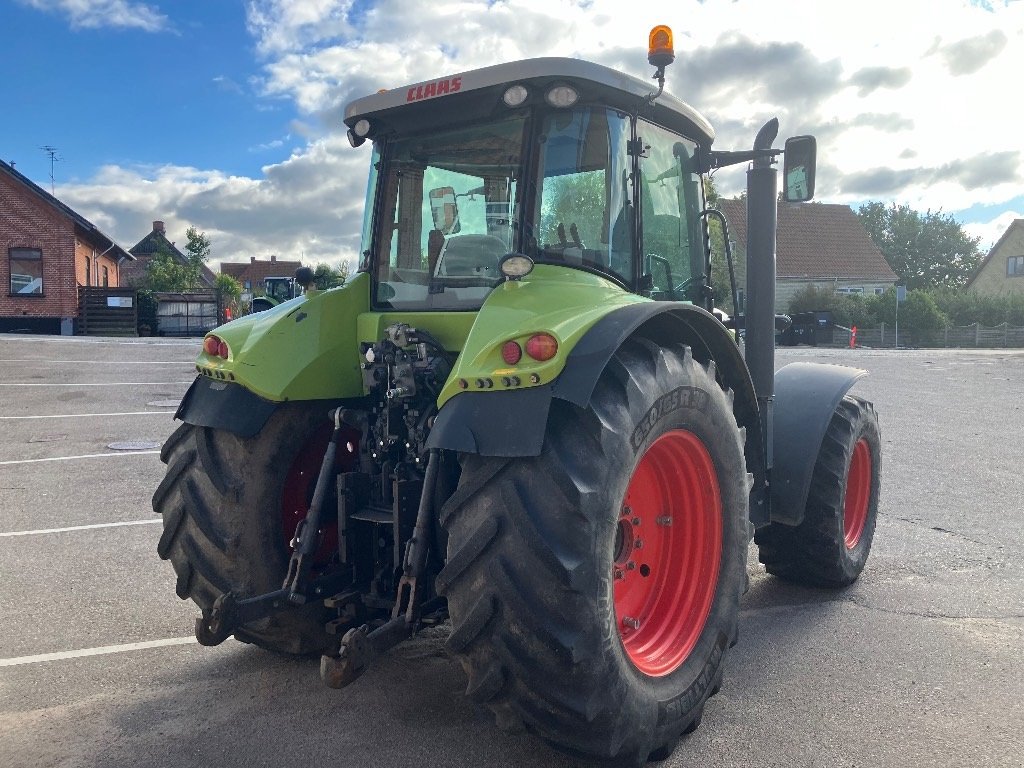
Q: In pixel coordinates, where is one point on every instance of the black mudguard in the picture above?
(224, 405)
(512, 423)
(806, 396)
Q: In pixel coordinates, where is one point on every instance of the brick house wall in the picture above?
(28, 222)
(90, 263)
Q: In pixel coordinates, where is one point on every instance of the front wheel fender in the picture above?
(806, 396)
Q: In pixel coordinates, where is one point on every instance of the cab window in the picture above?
(670, 204)
(584, 216)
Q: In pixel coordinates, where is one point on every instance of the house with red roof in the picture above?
(820, 244)
(47, 251)
(153, 243)
(251, 274)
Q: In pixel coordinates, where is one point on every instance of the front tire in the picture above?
(831, 546)
(228, 505)
(566, 625)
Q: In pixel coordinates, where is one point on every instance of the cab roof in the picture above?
(595, 82)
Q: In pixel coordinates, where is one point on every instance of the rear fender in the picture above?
(806, 396)
(513, 423)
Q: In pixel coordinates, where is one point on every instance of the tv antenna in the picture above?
(52, 152)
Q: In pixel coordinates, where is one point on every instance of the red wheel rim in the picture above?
(299, 483)
(668, 548)
(858, 494)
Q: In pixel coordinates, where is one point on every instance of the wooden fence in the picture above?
(107, 312)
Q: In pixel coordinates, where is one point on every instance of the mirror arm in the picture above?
(707, 159)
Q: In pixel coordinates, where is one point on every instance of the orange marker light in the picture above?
(660, 52)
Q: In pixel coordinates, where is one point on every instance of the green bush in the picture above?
(965, 307)
(147, 305)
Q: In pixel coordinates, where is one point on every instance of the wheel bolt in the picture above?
(629, 621)
(636, 521)
(638, 544)
(664, 520)
(619, 574)
(630, 565)
(626, 511)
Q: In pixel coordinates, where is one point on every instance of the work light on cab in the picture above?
(562, 96)
(542, 346)
(515, 96)
(515, 265)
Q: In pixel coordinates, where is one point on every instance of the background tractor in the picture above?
(277, 290)
(522, 415)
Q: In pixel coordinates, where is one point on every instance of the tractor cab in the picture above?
(275, 291)
(563, 161)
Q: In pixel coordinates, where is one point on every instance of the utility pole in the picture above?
(52, 152)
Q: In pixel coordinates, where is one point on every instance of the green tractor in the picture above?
(521, 416)
(277, 290)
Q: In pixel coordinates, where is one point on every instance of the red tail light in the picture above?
(542, 346)
(511, 352)
(215, 347)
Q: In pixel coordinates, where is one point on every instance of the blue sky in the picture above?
(224, 114)
(128, 96)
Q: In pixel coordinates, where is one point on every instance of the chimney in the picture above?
(252, 259)
(273, 258)
(158, 226)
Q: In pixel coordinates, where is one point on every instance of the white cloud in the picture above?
(308, 206)
(911, 101)
(93, 14)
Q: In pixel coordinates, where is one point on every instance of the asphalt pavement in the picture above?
(921, 662)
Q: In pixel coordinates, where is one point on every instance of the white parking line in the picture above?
(82, 456)
(79, 340)
(79, 528)
(105, 384)
(83, 415)
(100, 651)
(105, 362)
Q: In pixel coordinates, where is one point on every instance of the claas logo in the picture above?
(436, 88)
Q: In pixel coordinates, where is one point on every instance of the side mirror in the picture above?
(798, 173)
(444, 210)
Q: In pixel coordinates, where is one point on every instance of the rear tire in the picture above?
(534, 545)
(221, 503)
(831, 546)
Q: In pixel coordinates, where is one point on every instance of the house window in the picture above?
(1015, 266)
(879, 291)
(106, 278)
(848, 289)
(26, 271)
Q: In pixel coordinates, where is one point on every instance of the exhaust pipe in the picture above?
(762, 220)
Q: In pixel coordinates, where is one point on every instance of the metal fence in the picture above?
(188, 314)
(976, 335)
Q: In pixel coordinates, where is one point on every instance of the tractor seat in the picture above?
(472, 256)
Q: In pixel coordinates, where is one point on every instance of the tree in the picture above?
(197, 251)
(325, 276)
(230, 291)
(925, 250)
(165, 273)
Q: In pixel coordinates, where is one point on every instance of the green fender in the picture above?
(481, 412)
(302, 349)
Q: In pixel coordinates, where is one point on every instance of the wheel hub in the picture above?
(667, 552)
(858, 494)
